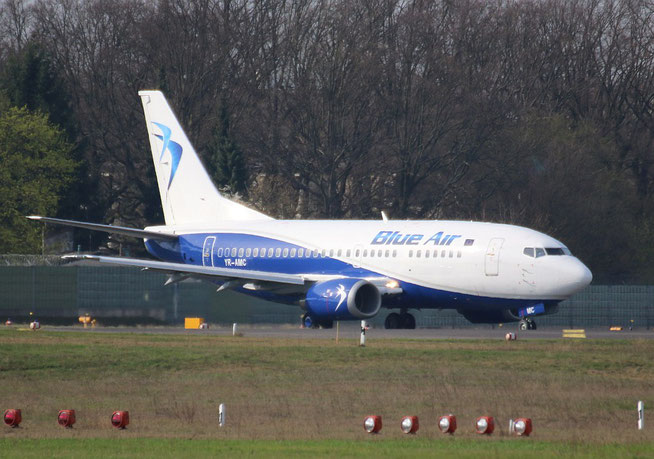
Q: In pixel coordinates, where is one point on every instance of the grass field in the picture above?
(309, 397)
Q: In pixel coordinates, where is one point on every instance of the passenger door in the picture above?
(492, 262)
(207, 251)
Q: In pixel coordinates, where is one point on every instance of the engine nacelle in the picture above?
(343, 299)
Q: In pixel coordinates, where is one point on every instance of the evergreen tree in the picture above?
(226, 159)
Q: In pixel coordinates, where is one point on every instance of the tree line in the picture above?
(537, 113)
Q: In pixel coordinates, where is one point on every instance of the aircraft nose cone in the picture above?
(575, 276)
(586, 276)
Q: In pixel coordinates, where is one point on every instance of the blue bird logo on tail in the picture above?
(173, 147)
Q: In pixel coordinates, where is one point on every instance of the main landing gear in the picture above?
(310, 322)
(401, 320)
(527, 324)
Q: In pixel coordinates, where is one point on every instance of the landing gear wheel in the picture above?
(527, 324)
(407, 321)
(392, 321)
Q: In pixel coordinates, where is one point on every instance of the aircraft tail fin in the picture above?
(188, 196)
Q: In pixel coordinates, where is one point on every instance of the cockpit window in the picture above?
(554, 251)
(539, 252)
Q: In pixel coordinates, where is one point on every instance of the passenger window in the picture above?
(410, 253)
(255, 252)
(443, 254)
(300, 253)
(380, 252)
(458, 254)
(240, 252)
(348, 253)
(323, 253)
(278, 252)
(315, 253)
(234, 252)
(435, 253)
(388, 252)
(540, 252)
(285, 252)
(394, 253)
(331, 253)
(248, 252)
(270, 252)
(340, 251)
(293, 252)
(529, 251)
(220, 252)
(418, 253)
(372, 253)
(426, 253)
(451, 254)
(356, 253)
(365, 252)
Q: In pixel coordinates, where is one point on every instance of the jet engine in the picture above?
(343, 299)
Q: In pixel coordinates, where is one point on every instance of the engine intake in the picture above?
(343, 299)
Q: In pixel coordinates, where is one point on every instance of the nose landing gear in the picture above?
(527, 324)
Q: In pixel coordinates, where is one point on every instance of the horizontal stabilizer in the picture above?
(132, 232)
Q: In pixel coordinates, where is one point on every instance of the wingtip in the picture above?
(34, 217)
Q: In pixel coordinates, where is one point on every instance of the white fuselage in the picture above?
(480, 259)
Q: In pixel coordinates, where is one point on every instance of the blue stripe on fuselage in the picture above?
(188, 249)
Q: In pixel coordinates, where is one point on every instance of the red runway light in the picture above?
(522, 427)
(120, 419)
(66, 418)
(485, 425)
(372, 424)
(409, 424)
(12, 418)
(447, 424)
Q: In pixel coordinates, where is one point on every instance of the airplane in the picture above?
(340, 269)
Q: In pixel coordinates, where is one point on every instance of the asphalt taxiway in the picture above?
(352, 330)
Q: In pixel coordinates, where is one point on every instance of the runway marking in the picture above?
(574, 333)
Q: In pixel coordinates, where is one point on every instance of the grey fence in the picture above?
(65, 292)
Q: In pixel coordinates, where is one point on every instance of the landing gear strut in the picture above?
(402, 320)
(527, 324)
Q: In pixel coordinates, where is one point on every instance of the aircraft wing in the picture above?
(249, 279)
(196, 271)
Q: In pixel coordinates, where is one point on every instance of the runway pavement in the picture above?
(352, 330)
